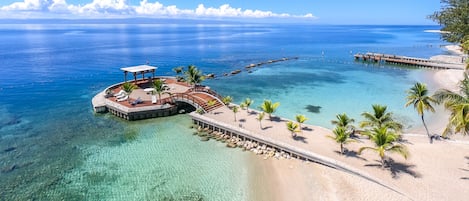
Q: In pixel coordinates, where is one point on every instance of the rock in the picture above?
(235, 72)
(9, 149)
(10, 168)
(231, 145)
(205, 138)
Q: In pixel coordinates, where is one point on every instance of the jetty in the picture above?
(408, 61)
(143, 102)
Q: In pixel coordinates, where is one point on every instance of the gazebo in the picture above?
(141, 69)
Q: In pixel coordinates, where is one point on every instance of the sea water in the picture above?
(53, 147)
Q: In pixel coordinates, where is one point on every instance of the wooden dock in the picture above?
(408, 61)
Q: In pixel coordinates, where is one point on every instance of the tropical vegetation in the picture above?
(235, 110)
(159, 87)
(293, 128)
(343, 121)
(380, 118)
(300, 119)
(454, 19)
(341, 136)
(419, 98)
(227, 100)
(246, 103)
(458, 105)
(128, 87)
(269, 107)
(384, 140)
(194, 76)
(260, 117)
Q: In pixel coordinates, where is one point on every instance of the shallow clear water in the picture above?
(53, 147)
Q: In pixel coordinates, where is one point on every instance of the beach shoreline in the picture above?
(297, 180)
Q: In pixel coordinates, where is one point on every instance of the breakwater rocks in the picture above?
(250, 67)
(206, 134)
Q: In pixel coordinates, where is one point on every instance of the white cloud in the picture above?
(110, 8)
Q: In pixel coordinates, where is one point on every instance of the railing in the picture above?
(193, 100)
(208, 91)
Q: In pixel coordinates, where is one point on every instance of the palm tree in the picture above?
(383, 140)
(179, 70)
(380, 118)
(128, 87)
(159, 87)
(293, 128)
(458, 104)
(227, 100)
(417, 96)
(260, 117)
(194, 76)
(211, 103)
(246, 103)
(341, 136)
(300, 119)
(343, 121)
(235, 110)
(269, 107)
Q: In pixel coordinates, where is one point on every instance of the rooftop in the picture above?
(140, 68)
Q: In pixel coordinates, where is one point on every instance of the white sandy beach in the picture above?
(438, 171)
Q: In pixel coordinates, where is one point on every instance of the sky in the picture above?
(400, 12)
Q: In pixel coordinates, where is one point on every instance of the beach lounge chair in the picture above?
(120, 93)
(137, 101)
(123, 98)
(153, 99)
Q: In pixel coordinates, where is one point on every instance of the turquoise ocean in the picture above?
(53, 147)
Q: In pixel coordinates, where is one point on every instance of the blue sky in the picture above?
(314, 11)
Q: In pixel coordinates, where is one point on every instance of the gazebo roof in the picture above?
(140, 68)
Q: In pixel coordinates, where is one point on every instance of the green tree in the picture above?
(194, 76)
(293, 128)
(159, 88)
(454, 18)
(246, 103)
(179, 70)
(128, 87)
(300, 119)
(458, 105)
(343, 121)
(269, 107)
(384, 141)
(227, 100)
(235, 110)
(341, 136)
(211, 103)
(380, 118)
(260, 117)
(418, 97)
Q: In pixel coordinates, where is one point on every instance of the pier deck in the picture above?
(410, 61)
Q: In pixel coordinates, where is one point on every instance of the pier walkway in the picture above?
(311, 144)
(410, 61)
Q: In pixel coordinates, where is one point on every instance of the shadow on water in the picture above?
(313, 108)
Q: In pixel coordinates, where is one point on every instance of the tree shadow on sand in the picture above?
(276, 119)
(351, 154)
(306, 128)
(300, 138)
(396, 169)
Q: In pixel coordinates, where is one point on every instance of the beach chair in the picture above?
(120, 93)
(123, 98)
(137, 101)
(153, 99)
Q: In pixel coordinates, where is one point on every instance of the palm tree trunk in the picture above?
(341, 148)
(428, 133)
